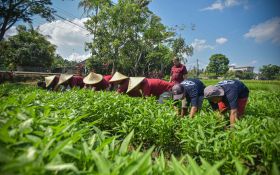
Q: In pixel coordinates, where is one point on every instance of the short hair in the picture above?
(176, 59)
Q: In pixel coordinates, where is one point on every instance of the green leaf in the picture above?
(125, 143)
(61, 167)
(102, 164)
(136, 164)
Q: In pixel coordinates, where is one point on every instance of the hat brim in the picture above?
(118, 77)
(178, 96)
(93, 78)
(220, 91)
(134, 82)
(63, 78)
(49, 80)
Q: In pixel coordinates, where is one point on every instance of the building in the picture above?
(243, 69)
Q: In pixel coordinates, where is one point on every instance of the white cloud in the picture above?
(200, 44)
(78, 57)
(231, 3)
(69, 38)
(221, 4)
(221, 40)
(215, 6)
(268, 30)
(11, 32)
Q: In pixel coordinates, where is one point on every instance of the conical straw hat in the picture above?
(92, 78)
(117, 77)
(49, 80)
(133, 82)
(63, 78)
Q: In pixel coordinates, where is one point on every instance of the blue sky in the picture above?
(246, 31)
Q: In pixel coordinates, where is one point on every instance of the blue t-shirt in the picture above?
(234, 89)
(193, 89)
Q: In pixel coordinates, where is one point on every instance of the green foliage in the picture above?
(58, 61)
(14, 11)
(128, 36)
(85, 132)
(270, 72)
(180, 48)
(218, 64)
(28, 48)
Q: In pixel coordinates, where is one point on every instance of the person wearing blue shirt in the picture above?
(228, 94)
(190, 91)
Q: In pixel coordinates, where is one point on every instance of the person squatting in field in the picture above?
(178, 72)
(190, 92)
(120, 82)
(228, 94)
(49, 83)
(143, 87)
(97, 82)
(69, 81)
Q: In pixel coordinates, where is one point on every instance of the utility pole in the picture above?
(197, 68)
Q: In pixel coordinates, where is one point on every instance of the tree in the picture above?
(218, 64)
(59, 62)
(29, 48)
(128, 36)
(181, 49)
(12, 11)
(270, 72)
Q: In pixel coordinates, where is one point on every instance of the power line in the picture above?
(61, 17)
(65, 12)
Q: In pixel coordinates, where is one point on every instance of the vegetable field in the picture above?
(85, 132)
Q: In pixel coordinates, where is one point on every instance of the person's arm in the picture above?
(93, 88)
(193, 111)
(56, 88)
(185, 73)
(170, 75)
(184, 107)
(233, 117)
(183, 112)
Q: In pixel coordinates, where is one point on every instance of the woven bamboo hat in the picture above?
(118, 77)
(133, 82)
(92, 78)
(49, 80)
(63, 78)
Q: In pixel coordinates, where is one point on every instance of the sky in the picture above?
(245, 31)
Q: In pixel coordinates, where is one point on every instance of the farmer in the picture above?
(190, 91)
(121, 81)
(97, 82)
(68, 81)
(141, 86)
(178, 72)
(49, 83)
(228, 94)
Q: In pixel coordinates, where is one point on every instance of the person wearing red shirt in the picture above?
(178, 72)
(121, 81)
(67, 81)
(141, 86)
(97, 82)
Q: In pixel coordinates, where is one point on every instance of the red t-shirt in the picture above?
(76, 81)
(103, 84)
(107, 77)
(123, 86)
(155, 87)
(177, 73)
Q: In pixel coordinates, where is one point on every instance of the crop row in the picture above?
(83, 131)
